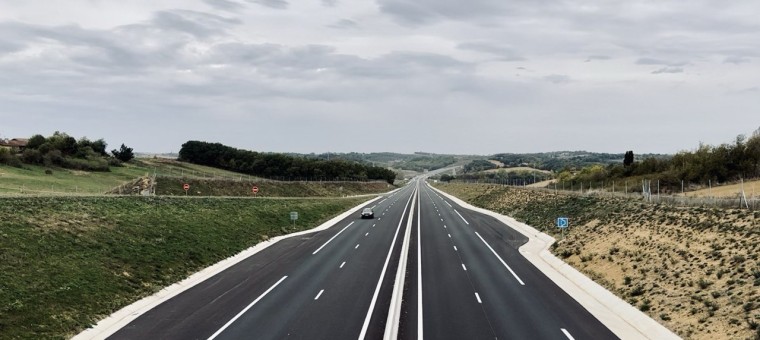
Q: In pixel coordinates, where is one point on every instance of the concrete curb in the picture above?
(621, 318)
(111, 324)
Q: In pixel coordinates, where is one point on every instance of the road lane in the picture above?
(517, 300)
(345, 275)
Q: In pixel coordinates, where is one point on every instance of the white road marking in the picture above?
(567, 334)
(478, 297)
(374, 225)
(464, 267)
(444, 227)
(328, 241)
(213, 336)
(342, 264)
(502, 261)
(357, 246)
(460, 215)
(441, 220)
(447, 203)
(382, 273)
(320, 294)
(419, 273)
(455, 248)
(367, 234)
(449, 235)
(373, 207)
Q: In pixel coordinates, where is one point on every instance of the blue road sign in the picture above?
(563, 222)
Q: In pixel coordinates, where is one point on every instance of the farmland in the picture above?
(69, 261)
(695, 270)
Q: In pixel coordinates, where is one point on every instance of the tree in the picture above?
(628, 159)
(35, 142)
(124, 154)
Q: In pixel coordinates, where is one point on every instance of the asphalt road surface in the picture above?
(337, 284)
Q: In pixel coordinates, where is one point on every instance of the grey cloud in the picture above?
(506, 53)
(653, 61)
(344, 24)
(415, 12)
(668, 70)
(277, 4)
(597, 57)
(329, 3)
(225, 5)
(558, 79)
(199, 24)
(736, 60)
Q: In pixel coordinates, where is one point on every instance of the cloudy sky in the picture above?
(446, 76)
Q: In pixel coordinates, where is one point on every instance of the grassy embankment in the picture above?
(33, 179)
(66, 262)
(695, 270)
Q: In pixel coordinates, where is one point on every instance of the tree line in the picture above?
(279, 165)
(65, 151)
(723, 163)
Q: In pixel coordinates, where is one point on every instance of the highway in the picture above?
(338, 284)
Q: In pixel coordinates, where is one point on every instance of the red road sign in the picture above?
(255, 190)
(186, 186)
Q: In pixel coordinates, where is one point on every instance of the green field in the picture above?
(66, 262)
(32, 179)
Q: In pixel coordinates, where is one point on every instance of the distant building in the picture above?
(15, 144)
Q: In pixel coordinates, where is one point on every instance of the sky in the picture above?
(443, 76)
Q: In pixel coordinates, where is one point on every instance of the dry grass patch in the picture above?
(695, 270)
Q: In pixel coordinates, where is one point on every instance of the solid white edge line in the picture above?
(330, 240)
(419, 268)
(478, 297)
(382, 274)
(460, 215)
(213, 336)
(393, 319)
(320, 294)
(567, 334)
(499, 257)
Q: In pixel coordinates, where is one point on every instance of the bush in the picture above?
(32, 156)
(124, 154)
(9, 159)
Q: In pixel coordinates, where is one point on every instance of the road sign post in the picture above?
(186, 187)
(255, 190)
(294, 217)
(563, 223)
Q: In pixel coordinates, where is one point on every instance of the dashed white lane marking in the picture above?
(449, 235)
(328, 241)
(367, 234)
(213, 336)
(444, 227)
(478, 297)
(441, 220)
(464, 267)
(455, 248)
(460, 215)
(320, 294)
(342, 264)
(502, 261)
(567, 334)
(447, 203)
(357, 246)
(374, 225)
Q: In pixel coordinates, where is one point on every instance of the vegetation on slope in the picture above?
(66, 262)
(282, 166)
(695, 270)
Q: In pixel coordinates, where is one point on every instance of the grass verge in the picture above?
(67, 262)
